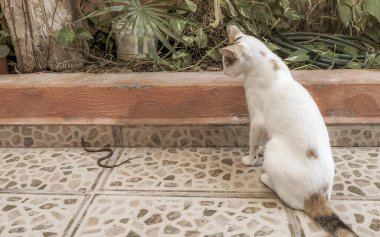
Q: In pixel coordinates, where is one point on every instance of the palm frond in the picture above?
(146, 21)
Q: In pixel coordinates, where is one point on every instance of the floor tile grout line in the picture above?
(291, 214)
(95, 184)
(201, 195)
(106, 172)
(112, 161)
(298, 222)
(76, 215)
(50, 192)
(164, 147)
(81, 217)
(354, 198)
(173, 193)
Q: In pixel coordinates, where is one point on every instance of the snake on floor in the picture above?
(110, 153)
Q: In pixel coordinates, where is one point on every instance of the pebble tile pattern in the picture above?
(355, 136)
(152, 217)
(37, 215)
(357, 172)
(157, 136)
(55, 135)
(63, 169)
(152, 195)
(200, 169)
(185, 136)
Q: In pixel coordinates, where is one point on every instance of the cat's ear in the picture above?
(233, 33)
(232, 51)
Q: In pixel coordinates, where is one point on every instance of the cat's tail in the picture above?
(318, 208)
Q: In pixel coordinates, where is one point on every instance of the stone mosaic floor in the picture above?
(169, 192)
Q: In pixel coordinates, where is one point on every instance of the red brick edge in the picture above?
(344, 96)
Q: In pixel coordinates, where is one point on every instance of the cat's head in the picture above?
(242, 53)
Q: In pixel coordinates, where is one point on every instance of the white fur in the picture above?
(284, 112)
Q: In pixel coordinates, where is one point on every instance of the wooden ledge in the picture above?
(168, 98)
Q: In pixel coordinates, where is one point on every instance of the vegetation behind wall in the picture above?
(345, 33)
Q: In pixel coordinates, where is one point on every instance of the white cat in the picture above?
(297, 164)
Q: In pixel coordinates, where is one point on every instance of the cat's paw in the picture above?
(248, 160)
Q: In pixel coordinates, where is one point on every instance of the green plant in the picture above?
(150, 20)
(67, 35)
(4, 34)
(348, 32)
(357, 21)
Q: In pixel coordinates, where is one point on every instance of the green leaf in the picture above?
(189, 39)
(353, 52)
(167, 62)
(370, 61)
(250, 27)
(105, 10)
(66, 36)
(180, 54)
(201, 39)
(177, 25)
(4, 50)
(299, 55)
(260, 13)
(285, 4)
(215, 55)
(354, 65)
(83, 34)
(3, 36)
(372, 7)
(244, 11)
(191, 5)
(292, 14)
(376, 64)
(303, 4)
(345, 14)
(346, 2)
(378, 59)
(272, 46)
(181, 58)
(328, 53)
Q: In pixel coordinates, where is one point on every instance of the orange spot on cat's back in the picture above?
(275, 65)
(312, 153)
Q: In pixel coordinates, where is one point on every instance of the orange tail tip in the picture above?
(318, 208)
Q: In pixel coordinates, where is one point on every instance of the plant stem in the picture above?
(203, 58)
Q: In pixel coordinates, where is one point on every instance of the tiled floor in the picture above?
(170, 192)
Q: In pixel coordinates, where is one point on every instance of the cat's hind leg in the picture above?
(264, 178)
(284, 174)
